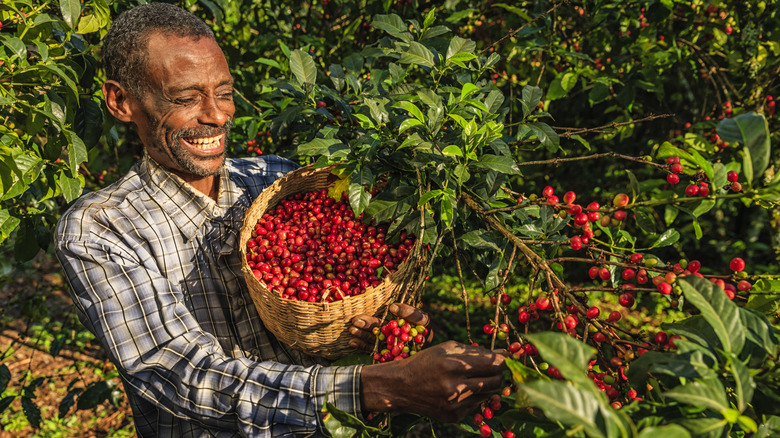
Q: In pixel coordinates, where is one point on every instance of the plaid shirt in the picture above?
(155, 274)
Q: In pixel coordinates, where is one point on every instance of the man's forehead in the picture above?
(186, 62)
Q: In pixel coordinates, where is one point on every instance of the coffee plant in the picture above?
(595, 180)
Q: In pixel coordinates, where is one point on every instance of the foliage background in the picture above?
(618, 77)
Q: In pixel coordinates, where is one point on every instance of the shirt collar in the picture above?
(188, 208)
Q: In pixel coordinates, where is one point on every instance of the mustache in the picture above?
(205, 131)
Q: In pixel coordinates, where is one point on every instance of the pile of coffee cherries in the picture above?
(311, 247)
(401, 339)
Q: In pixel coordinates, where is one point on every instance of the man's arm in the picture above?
(164, 356)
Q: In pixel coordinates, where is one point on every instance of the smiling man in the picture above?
(155, 271)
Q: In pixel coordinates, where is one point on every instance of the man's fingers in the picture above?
(409, 313)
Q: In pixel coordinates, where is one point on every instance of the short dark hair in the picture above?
(124, 46)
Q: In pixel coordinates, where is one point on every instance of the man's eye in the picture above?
(184, 100)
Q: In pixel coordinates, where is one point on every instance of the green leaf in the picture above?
(32, 412)
(758, 329)
(95, 394)
(645, 220)
(5, 377)
(69, 80)
(480, 239)
(546, 135)
(392, 24)
(71, 10)
(8, 223)
(5, 402)
(417, 54)
(329, 147)
(666, 431)
(744, 383)
(720, 312)
(669, 237)
(460, 45)
(429, 18)
(467, 90)
(709, 395)
(446, 212)
(567, 404)
(77, 152)
(498, 163)
(17, 46)
(567, 354)
(568, 81)
(411, 109)
(68, 401)
(358, 198)
(70, 187)
(750, 129)
(91, 23)
(303, 67)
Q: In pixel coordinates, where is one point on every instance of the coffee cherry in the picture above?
(488, 329)
(547, 191)
(673, 160)
(744, 285)
(672, 178)
(732, 176)
(524, 317)
(628, 274)
(478, 419)
(660, 338)
(620, 200)
(552, 199)
(677, 168)
(599, 337)
(626, 300)
(576, 243)
(614, 316)
(592, 312)
(593, 272)
(737, 264)
(664, 288)
(604, 274)
(569, 197)
(735, 187)
(485, 431)
(542, 303)
(507, 434)
(321, 104)
(636, 258)
(691, 190)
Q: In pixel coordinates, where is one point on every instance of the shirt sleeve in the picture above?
(166, 358)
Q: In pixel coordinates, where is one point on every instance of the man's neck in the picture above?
(208, 185)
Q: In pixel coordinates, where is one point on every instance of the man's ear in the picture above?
(118, 101)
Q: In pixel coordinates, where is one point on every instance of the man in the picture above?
(155, 273)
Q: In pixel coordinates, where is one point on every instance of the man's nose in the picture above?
(215, 112)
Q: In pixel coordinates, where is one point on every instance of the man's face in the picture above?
(184, 116)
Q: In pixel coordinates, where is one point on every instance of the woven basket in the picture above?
(318, 329)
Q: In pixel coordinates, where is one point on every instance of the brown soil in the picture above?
(34, 293)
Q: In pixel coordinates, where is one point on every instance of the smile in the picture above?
(205, 143)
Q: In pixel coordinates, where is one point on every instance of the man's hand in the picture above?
(445, 382)
(363, 325)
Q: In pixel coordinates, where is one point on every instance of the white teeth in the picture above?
(205, 143)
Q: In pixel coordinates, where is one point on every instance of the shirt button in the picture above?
(240, 302)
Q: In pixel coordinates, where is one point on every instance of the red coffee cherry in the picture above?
(569, 197)
(691, 190)
(547, 191)
(732, 176)
(737, 264)
(592, 312)
(672, 179)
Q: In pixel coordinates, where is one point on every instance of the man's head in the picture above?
(182, 103)
(125, 45)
